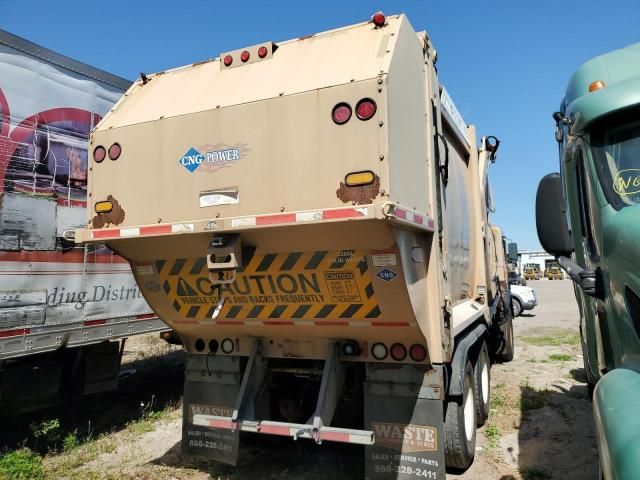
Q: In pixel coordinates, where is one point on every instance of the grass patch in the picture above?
(561, 357)
(562, 337)
(534, 474)
(497, 399)
(532, 398)
(21, 464)
(493, 436)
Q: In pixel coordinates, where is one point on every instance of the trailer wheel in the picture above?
(482, 385)
(460, 426)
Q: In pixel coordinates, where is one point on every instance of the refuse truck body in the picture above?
(63, 308)
(310, 216)
(598, 184)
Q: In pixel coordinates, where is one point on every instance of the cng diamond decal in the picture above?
(386, 274)
(192, 159)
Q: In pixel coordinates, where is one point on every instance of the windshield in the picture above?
(616, 153)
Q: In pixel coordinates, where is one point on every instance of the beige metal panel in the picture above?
(408, 175)
(324, 60)
(292, 156)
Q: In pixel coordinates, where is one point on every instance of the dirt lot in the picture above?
(540, 426)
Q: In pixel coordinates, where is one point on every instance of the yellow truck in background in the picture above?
(311, 217)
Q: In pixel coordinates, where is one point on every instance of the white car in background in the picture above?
(522, 298)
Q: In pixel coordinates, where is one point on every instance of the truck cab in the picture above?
(598, 184)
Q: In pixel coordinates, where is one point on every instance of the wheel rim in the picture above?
(484, 382)
(469, 420)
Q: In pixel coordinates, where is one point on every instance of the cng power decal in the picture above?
(309, 285)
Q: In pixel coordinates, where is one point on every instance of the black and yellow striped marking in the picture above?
(297, 285)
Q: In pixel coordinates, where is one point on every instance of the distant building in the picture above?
(533, 256)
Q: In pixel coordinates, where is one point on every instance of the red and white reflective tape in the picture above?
(413, 217)
(300, 217)
(300, 323)
(160, 229)
(16, 332)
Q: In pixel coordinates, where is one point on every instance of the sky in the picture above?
(505, 63)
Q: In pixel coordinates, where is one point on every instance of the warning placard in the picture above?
(297, 285)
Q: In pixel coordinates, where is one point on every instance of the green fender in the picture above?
(616, 411)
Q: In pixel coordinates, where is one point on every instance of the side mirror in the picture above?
(512, 252)
(551, 217)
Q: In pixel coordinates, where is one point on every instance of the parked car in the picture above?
(516, 279)
(522, 298)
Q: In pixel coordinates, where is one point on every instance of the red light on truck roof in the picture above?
(341, 113)
(262, 52)
(365, 109)
(597, 85)
(398, 352)
(244, 56)
(99, 153)
(114, 151)
(228, 60)
(417, 352)
(379, 19)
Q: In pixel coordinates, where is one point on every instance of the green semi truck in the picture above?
(598, 132)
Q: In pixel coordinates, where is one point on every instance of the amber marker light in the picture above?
(103, 207)
(597, 85)
(356, 179)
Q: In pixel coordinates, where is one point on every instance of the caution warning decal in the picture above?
(298, 285)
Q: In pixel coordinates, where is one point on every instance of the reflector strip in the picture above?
(412, 217)
(91, 323)
(15, 333)
(242, 222)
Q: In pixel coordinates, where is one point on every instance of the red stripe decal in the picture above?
(342, 213)
(275, 430)
(332, 324)
(273, 219)
(91, 323)
(228, 322)
(224, 424)
(334, 437)
(389, 324)
(145, 316)
(155, 229)
(16, 332)
(418, 219)
(105, 233)
(278, 322)
(400, 213)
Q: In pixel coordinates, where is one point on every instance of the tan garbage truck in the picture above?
(311, 217)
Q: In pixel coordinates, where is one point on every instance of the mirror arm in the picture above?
(586, 279)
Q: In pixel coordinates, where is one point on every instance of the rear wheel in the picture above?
(460, 426)
(482, 385)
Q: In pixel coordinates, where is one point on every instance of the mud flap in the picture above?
(211, 387)
(407, 421)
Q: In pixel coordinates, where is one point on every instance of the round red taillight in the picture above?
(398, 352)
(417, 352)
(379, 19)
(99, 153)
(365, 109)
(114, 151)
(379, 351)
(262, 52)
(244, 56)
(341, 113)
(228, 60)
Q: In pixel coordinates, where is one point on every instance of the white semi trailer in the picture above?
(63, 308)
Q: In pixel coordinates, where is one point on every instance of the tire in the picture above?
(460, 426)
(482, 385)
(509, 346)
(517, 307)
